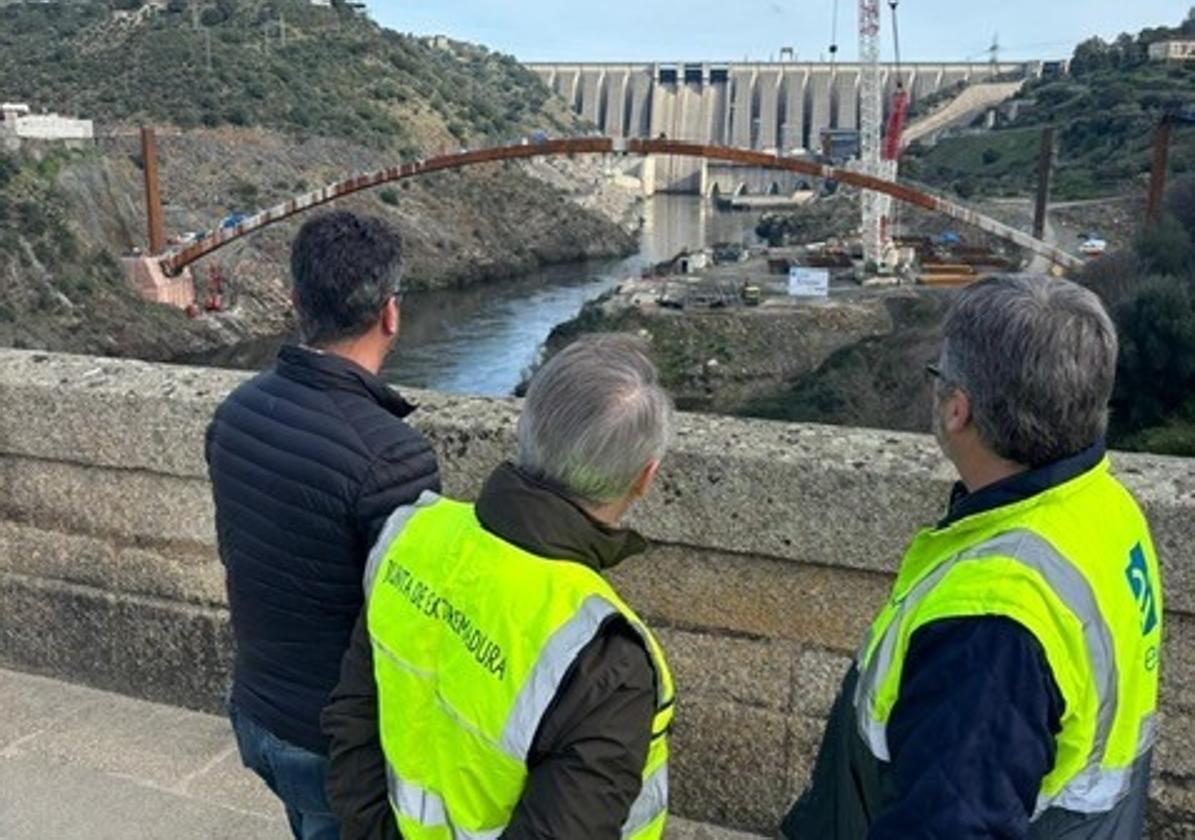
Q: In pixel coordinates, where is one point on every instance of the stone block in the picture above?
(173, 574)
(1174, 754)
(1178, 663)
(57, 629)
(130, 505)
(716, 591)
(680, 829)
(148, 648)
(804, 740)
(728, 765)
(816, 680)
(754, 672)
(53, 555)
(109, 412)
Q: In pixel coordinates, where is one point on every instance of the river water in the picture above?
(482, 340)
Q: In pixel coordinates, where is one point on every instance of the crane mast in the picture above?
(871, 117)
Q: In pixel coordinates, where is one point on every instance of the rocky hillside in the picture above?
(341, 95)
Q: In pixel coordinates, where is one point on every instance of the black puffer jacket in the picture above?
(307, 461)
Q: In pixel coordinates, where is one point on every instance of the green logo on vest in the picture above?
(488, 654)
(1143, 591)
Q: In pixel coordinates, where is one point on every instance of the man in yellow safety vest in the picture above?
(497, 685)
(1009, 686)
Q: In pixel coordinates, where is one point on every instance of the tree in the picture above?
(1165, 247)
(1156, 370)
(1090, 56)
(1180, 203)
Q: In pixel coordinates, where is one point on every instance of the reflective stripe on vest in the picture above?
(557, 657)
(427, 809)
(1094, 789)
(650, 804)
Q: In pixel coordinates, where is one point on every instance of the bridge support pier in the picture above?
(146, 277)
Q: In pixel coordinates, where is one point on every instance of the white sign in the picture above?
(808, 282)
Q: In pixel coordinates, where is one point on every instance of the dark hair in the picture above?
(344, 268)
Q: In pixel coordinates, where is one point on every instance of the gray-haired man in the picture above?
(1008, 687)
(497, 685)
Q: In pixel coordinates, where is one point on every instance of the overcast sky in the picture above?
(568, 30)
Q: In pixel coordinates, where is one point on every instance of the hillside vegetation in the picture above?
(1105, 112)
(294, 97)
(282, 64)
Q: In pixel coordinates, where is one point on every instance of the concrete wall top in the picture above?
(809, 494)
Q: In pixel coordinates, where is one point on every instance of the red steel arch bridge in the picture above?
(173, 261)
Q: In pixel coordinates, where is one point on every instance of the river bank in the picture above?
(484, 339)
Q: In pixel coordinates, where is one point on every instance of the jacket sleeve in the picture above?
(586, 765)
(973, 733)
(397, 477)
(356, 784)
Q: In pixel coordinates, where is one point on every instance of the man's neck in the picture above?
(360, 352)
(984, 469)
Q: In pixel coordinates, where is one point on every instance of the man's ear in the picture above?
(644, 482)
(391, 320)
(956, 412)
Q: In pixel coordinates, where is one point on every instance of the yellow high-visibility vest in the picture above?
(472, 637)
(1076, 567)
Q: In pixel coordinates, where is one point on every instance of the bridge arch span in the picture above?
(176, 260)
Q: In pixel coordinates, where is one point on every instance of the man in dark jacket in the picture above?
(307, 460)
(1008, 688)
(593, 429)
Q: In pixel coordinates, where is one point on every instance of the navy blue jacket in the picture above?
(972, 733)
(307, 461)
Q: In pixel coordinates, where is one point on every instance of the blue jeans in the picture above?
(296, 775)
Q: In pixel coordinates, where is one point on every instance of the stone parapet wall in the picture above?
(774, 545)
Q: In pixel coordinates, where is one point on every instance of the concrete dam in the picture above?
(773, 545)
(776, 107)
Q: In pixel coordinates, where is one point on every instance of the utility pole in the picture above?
(1045, 171)
(282, 29)
(1157, 179)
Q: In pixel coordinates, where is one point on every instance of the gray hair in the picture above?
(594, 417)
(1037, 357)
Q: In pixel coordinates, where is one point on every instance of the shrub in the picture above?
(1156, 371)
(1165, 246)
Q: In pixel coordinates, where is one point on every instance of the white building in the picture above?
(1172, 50)
(18, 123)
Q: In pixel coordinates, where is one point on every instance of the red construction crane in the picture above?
(898, 114)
